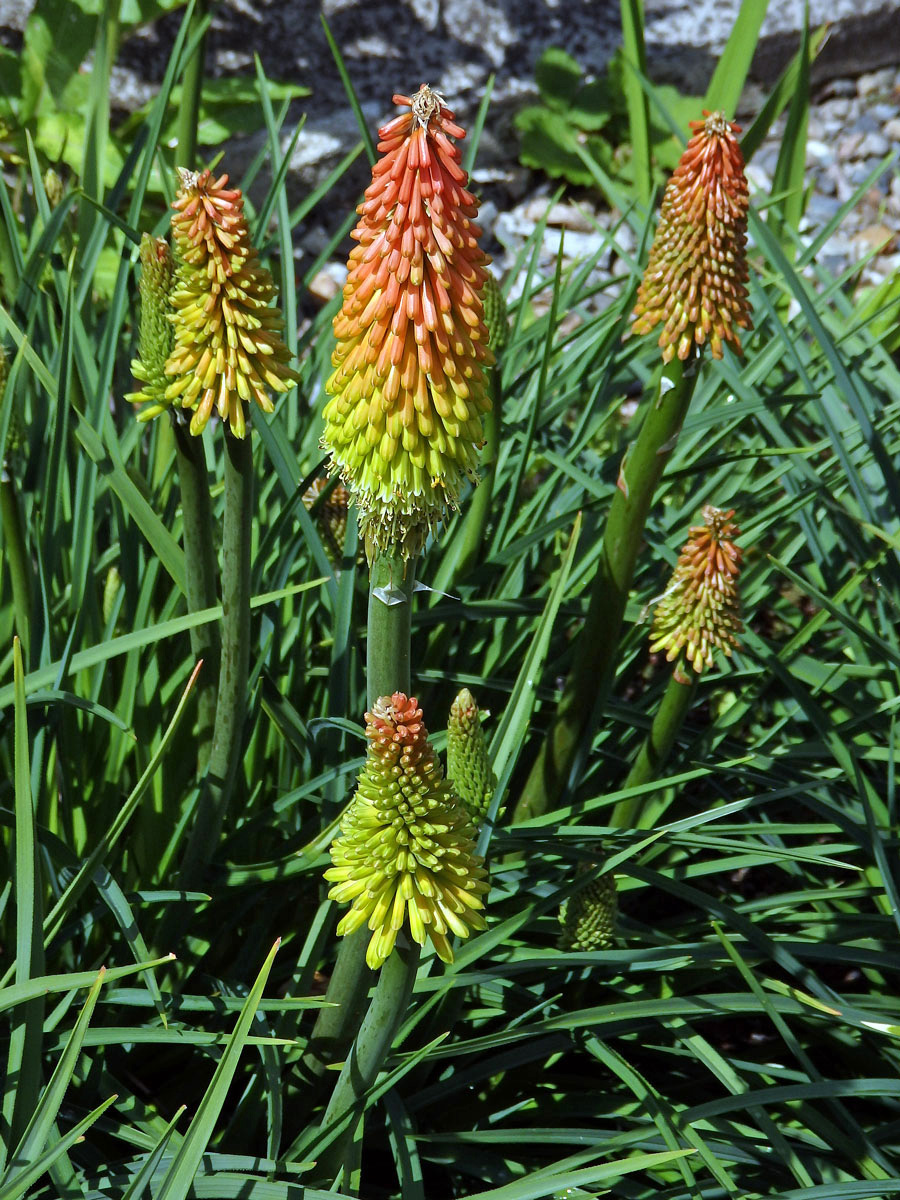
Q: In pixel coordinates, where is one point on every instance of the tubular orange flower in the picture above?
(408, 390)
(406, 847)
(700, 609)
(228, 337)
(696, 275)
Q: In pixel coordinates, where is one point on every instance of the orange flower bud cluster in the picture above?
(700, 610)
(696, 275)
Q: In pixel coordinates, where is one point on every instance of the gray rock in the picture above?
(891, 129)
(821, 209)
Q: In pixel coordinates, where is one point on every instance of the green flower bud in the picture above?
(468, 765)
(155, 339)
(495, 316)
(588, 918)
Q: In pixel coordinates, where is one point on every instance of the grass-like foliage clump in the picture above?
(680, 973)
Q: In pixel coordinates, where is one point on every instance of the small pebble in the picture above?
(849, 146)
(819, 153)
(875, 82)
(874, 145)
(865, 123)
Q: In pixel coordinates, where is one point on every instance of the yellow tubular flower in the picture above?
(409, 388)
(700, 610)
(405, 853)
(229, 348)
(695, 278)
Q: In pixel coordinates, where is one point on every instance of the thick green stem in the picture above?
(391, 583)
(657, 746)
(594, 657)
(201, 578)
(480, 507)
(191, 92)
(373, 1042)
(16, 552)
(231, 706)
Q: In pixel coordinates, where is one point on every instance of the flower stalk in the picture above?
(15, 545)
(234, 667)
(590, 679)
(201, 577)
(694, 286)
(403, 428)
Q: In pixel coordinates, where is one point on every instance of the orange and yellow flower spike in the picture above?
(409, 386)
(700, 610)
(697, 271)
(406, 849)
(229, 348)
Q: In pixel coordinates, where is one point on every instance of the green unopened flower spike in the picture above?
(699, 611)
(155, 337)
(405, 854)
(409, 386)
(229, 348)
(588, 918)
(697, 271)
(468, 765)
(495, 314)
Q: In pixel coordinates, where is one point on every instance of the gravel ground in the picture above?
(854, 122)
(854, 127)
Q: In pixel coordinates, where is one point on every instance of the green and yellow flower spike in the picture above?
(229, 348)
(403, 425)
(695, 281)
(699, 611)
(155, 335)
(468, 765)
(405, 853)
(588, 918)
